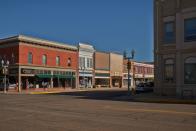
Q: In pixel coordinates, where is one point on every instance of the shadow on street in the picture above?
(114, 95)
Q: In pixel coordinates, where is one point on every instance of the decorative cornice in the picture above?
(42, 42)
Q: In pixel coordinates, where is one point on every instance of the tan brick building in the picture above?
(116, 70)
(175, 47)
(102, 69)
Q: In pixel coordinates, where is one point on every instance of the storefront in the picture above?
(86, 79)
(125, 80)
(116, 81)
(102, 79)
(43, 78)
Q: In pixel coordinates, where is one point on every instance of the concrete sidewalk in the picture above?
(153, 98)
(60, 90)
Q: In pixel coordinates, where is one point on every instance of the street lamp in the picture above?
(129, 58)
(5, 72)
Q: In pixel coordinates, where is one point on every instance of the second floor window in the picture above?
(57, 60)
(88, 62)
(69, 62)
(91, 63)
(44, 59)
(190, 29)
(30, 58)
(169, 33)
(82, 62)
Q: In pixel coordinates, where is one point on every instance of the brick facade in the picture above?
(51, 54)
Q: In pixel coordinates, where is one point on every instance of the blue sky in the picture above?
(109, 25)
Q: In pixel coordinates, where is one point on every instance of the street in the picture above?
(76, 112)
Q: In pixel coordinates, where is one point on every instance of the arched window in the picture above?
(190, 70)
(169, 70)
(44, 59)
(30, 58)
(69, 62)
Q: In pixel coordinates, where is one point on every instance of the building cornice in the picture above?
(42, 42)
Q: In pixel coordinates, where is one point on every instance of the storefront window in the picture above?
(57, 60)
(190, 70)
(169, 70)
(44, 59)
(190, 29)
(30, 58)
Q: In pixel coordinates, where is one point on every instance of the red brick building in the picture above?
(140, 72)
(37, 63)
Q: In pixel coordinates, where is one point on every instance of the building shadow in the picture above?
(113, 95)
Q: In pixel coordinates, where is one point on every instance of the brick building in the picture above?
(102, 69)
(116, 70)
(140, 72)
(37, 63)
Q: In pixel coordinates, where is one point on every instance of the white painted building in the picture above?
(86, 53)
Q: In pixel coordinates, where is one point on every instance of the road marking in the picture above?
(152, 110)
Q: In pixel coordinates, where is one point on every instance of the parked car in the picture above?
(144, 87)
(8, 86)
(12, 86)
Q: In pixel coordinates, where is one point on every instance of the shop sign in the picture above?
(27, 71)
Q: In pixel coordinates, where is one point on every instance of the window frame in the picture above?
(44, 62)
(30, 58)
(187, 19)
(57, 60)
(69, 61)
(185, 64)
(164, 33)
(167, 79)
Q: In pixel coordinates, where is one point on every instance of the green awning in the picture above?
(64, 76)
(102, 74)
(44, 75)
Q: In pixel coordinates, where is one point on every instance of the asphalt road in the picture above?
(79, 112)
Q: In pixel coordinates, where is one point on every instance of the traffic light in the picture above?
(128, 65)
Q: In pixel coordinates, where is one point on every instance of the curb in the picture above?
(166, 101)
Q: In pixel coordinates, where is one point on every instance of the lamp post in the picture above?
(5, 72)
(129, 58)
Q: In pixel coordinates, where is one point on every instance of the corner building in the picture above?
(38, 63)
(175, 47)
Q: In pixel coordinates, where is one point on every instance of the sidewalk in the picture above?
(58, 90)
(153, 98)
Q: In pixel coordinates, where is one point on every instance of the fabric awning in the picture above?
(64, 76)
(44, 75)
